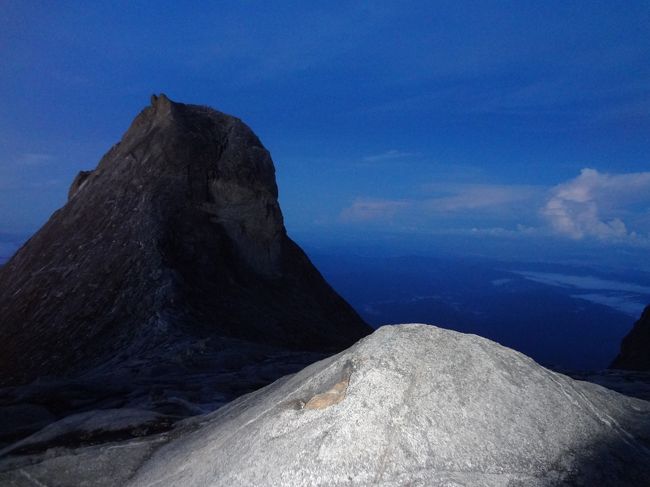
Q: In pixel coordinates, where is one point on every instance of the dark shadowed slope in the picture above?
(635, 348)
(177, 232)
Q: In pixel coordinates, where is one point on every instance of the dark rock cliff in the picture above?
(177, 231)
(635, 348)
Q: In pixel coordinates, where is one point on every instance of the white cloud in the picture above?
(389, 155)
(514, 232)
(18, 185)
(611, 208)
(594, 204)
(368, 209)
(33, 159)
(477, 196)
(453, 200)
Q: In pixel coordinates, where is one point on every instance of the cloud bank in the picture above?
(595, 204)
(609, 208)
(369, 209)
(465, 197)
(389, 156)
(449, 200)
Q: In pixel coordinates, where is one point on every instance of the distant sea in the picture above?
(571, 317)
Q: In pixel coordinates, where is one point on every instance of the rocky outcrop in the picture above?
(635, 348)
(408, 405)
(78, 182)
(177, 232)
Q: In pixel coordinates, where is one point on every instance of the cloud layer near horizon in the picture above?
(607, 207)
(447, 200)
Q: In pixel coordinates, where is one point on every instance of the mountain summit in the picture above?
(176, 233)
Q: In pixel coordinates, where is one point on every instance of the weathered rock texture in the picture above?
(177, 231)
(635, 348)
(420, 406)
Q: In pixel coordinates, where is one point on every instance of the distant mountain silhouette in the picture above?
(177, 233)
(635, 348)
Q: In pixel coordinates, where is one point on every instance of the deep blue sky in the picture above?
(516, 129)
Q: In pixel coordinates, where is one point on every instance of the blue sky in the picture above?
(520, 129)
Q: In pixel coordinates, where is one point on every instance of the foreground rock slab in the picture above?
(408, 405)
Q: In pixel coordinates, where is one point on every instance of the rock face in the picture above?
(408, 405)
(635, 349)
(177, 232)
(166, 285)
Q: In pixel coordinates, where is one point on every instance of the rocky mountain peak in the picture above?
(177, 230)
(161, 102)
